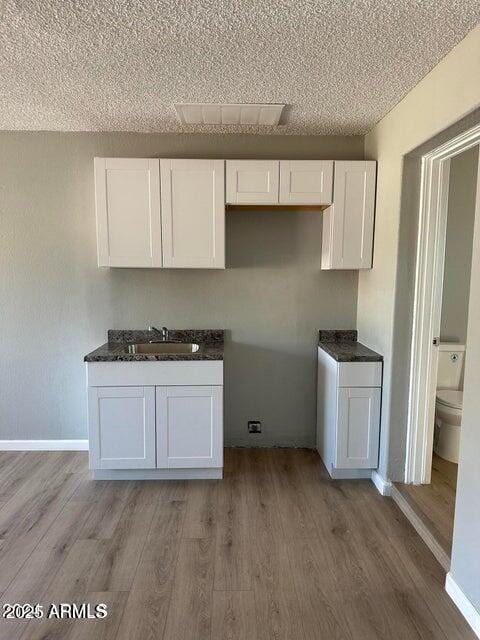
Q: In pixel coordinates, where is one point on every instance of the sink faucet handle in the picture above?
(164, 332)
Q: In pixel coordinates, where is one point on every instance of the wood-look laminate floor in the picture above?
(434, 503)
(275, 551)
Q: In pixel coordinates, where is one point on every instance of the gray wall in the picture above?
(56, 305)
(458, 249)
(465, 567)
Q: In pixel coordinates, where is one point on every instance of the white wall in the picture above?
(56, 305)
(447, 93)
(459, 245)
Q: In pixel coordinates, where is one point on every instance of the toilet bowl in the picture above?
(449, 400)
(448, 422)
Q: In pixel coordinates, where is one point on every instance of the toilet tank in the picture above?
(451, 360)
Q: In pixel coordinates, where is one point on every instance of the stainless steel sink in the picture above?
(163, 347)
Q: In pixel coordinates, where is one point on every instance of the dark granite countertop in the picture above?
(115, 350)
(342, 345)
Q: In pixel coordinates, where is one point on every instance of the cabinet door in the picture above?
(127, 199)
(122, 427)
(348, 224)
(306, 181)
(358, 425)
(193, 213)
(252, 181)
(189, 427)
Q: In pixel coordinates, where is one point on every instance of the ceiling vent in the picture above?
(230, 114)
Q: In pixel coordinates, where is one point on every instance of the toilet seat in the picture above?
(452, 398)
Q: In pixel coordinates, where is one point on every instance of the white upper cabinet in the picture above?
(127, 198)
(306, 181)
(171, 212)
(252, 181)
(193, 213)
(348, 224)
(279, 181)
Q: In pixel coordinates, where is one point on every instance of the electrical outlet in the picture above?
(254, 426)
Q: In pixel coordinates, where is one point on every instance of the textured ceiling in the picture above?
(91, 65)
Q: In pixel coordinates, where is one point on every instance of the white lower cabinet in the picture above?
(189, 427)
(177, 427)
(348, 415)
(171, 422)
(358, 415)
(122, 427)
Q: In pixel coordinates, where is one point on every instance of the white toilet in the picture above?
(449, 401)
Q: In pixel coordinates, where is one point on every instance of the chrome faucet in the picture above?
(163, 332)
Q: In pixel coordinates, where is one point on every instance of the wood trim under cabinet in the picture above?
(279, 208)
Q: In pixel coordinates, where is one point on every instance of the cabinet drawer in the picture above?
(182, 373)
(359, 374)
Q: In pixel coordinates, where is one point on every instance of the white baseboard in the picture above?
(43, 445)
(466, 608)
(384, 487)
(423, 531)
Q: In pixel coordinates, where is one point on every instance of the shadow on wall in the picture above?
(270, 238)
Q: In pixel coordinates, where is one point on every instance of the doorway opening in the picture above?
(449, 201)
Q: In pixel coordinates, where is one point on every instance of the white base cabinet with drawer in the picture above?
(156, 430)
(348, 416)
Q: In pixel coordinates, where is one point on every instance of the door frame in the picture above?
(430, 258)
